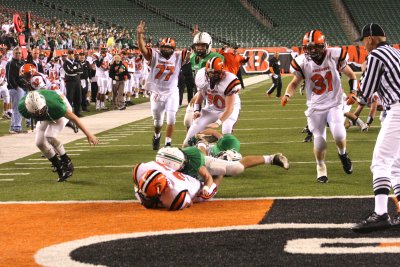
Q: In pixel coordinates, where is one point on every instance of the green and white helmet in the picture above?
(35, 103)
(172, 157)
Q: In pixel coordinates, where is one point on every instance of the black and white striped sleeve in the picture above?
(371, 77)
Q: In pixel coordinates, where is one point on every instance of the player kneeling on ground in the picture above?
(52, 111)
(158, 186)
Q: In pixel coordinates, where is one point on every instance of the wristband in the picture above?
(353, 86)
(196, 107)
(287, 95)
(370, 120)
(219, 122)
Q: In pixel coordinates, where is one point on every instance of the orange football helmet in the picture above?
(168, 42)
(165, 47)
(214, 70)
(314, 45)
(27, 70)
(152, 183)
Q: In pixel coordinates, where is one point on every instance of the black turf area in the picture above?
(229, 248)
(337, 210)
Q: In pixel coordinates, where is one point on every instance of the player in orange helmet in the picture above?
(321, 67)
(220, 90)
(162, 82)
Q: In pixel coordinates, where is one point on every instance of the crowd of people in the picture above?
(111, 65)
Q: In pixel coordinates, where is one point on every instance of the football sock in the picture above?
(168, 140)
(321, 169)
(381, 203)
(268, 159)
(157, 135)
(64, 158)
(342, 151)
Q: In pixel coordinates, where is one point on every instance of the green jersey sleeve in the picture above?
(198, 63)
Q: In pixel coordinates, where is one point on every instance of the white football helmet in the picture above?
(172, 157)
(202, 38)
(35, 103)
(230, 155)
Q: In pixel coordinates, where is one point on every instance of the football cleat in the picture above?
(346, 162)
(156, 143)
(322, 179)
(308, 138)
(372, 223)
(168, 144)
(396, 220)
(280, 160)
(67, 171)
(73, 126)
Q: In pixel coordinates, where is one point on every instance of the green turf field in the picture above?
(264, 127)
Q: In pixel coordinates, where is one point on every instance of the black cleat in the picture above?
(308, 138)
(156, 143)
(280, 160)
(372, 223)
(346, 162)
(67, 171)
(73, 126)
(322, 179)
(396, 220)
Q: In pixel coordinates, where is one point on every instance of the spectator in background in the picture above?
(275, 73)
(119, 74)
(16, 88)
(85, 76)
(33, 57)
(233, 61)
(72, 71)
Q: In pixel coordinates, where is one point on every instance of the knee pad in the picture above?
(319, 143)
(234, 168)
(171, 118)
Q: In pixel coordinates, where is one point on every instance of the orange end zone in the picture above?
(26, 228)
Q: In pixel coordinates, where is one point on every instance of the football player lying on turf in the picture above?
(52, 111)
(191, 159)
(157, 185)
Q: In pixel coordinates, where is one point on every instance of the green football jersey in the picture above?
(194, 160)
(56, 106)
(198, 63)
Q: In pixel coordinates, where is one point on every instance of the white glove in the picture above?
(75, 68)
(275, 76)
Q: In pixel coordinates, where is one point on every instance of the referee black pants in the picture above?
(74, 94)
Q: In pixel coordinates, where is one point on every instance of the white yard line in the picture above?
(14, 173)
(6, 180)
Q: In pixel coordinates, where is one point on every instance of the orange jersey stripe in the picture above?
(179, 200)
(231, 86)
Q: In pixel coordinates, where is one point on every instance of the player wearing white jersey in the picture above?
(102, 67)
(162, 82)
(220, 90)
(4, 93)
(156, 184)
(129, 62)
(320, 67)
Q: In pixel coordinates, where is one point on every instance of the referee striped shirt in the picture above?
(382, 74)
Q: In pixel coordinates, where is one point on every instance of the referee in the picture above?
(382, 75)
